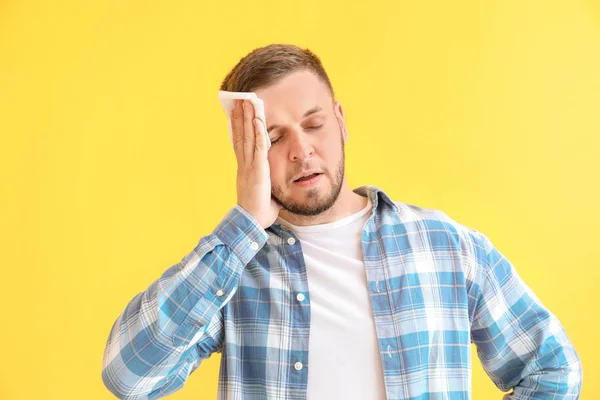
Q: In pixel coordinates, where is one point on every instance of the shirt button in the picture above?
(291, 240)
(298, 366)
(300, 297)
(220, 293)
(254, 246)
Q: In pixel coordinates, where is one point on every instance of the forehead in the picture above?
(293, 95)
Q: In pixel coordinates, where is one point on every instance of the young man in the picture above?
(312, 290)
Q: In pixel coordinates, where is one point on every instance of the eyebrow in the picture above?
(313, 110)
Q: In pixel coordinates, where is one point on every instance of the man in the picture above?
(312, 290)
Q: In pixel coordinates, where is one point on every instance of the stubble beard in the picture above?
(314, 203)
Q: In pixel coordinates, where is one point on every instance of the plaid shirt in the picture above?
(436, 286)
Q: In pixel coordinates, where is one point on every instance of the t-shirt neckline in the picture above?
(329, 225)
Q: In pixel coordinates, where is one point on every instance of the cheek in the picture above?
(276, 169)
(332, 148)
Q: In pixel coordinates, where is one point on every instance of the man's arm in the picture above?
(520, 343)
(166, 331)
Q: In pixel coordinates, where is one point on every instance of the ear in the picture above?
(339, 115)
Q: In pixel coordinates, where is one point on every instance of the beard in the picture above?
(314, 203)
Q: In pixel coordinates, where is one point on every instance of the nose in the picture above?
(300, 147)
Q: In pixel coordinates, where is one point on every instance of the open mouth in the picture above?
(308, 181)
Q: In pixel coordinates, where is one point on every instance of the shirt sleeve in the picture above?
(166, 331)
(520, 343)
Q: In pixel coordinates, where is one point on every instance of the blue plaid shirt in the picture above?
(436, 286)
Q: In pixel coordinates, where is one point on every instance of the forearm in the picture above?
(163, 332)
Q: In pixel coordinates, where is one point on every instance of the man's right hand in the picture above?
(253, 173)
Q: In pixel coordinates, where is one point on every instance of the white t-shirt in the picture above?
(343, 358)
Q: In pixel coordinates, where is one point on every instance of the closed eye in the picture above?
(310, 128)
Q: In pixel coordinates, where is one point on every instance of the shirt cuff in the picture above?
(242, 233)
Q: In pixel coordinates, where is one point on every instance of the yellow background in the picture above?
(115, 157)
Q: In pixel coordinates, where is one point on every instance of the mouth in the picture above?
(308, 180)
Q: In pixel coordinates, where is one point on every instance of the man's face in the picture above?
(307, 132)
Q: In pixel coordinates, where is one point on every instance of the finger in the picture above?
(249, 135)
(237, 131)
(261, 140)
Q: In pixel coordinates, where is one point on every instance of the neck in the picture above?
(346, 204)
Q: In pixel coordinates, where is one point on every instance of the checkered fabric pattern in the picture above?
(436, 286)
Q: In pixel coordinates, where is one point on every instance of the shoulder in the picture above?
(442, 229)
(426, 228)
(452, 245)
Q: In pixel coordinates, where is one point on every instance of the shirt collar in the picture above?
(375, 194)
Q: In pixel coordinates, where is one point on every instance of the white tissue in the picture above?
(227, 101)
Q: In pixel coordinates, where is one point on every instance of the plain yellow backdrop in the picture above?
(115, 157)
